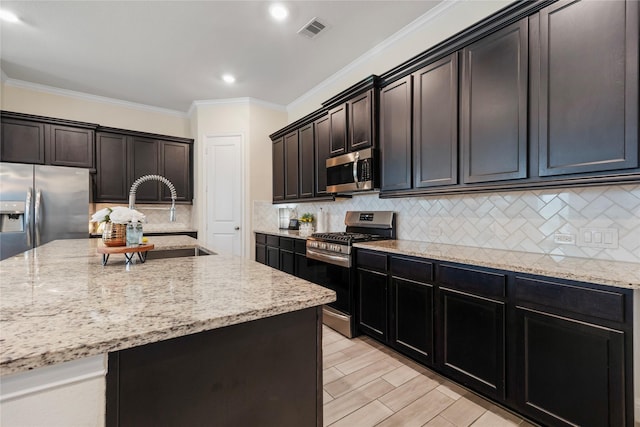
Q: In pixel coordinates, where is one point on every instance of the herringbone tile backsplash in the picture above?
(592, 222)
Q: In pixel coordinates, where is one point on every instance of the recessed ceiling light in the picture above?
(228, 78)
(278, 12)
(7, 16)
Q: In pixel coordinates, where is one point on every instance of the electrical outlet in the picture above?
(564, 238)
(593, 237)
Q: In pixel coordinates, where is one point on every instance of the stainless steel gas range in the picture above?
(330, 263)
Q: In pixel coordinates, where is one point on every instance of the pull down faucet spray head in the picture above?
(145, 178)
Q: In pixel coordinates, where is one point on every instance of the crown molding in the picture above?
(231, 101)
(430, 15)
(93, 98)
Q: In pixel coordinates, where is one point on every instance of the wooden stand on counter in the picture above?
(128, 252)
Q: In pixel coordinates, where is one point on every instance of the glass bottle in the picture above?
(132, 236)
(139, 232)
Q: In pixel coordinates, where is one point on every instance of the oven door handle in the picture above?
(329, 258)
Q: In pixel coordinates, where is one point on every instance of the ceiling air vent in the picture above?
(312, 28)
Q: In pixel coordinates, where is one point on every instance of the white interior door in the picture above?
(223, 166)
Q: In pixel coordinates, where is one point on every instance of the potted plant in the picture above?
(116, 220)
(306, 224)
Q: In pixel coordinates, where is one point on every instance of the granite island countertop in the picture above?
(59, 303)
(603, 272)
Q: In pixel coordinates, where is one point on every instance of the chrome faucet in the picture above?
(145, 178)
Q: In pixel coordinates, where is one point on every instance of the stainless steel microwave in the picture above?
(356, 171)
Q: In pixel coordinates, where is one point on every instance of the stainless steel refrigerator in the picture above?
(39, 204)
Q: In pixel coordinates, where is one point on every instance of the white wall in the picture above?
(253, 120)
(442, 22)
(46, 101)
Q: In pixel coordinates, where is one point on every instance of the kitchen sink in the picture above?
(177, 253)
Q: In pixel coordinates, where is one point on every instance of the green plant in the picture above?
(306, 217)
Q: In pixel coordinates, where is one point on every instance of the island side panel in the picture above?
(266, 372)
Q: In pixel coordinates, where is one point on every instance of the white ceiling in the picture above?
(169, 53)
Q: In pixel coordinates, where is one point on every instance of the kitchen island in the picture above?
(60, 307)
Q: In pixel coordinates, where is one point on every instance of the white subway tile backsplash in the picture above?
(157, 217)
(519, 220)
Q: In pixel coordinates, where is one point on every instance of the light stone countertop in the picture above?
(59, 303)
(283, 233)
(611, 273)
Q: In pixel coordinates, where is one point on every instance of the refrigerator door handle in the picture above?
(27, 215)
(37, 215)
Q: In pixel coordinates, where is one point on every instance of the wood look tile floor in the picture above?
(367, 384)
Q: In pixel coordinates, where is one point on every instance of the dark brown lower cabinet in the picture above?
(284, 253)
(557, 351)
(267, 372)
(261, 253)
(273, 257)
(273, 251)
(412, 318)
(261, 248)
(571, 372)
(472, 346)
(373, 303)
(287, 257)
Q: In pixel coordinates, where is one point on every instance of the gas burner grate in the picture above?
(344, 237)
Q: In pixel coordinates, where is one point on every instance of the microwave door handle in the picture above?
(37, 213)
(355, 170)
(27, 215)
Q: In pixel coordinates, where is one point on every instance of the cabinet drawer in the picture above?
(407, 268)
(300, 246)
(483, 283)
(261, 238)
(273, 241)
(607, 305)
(286, 244)
(372, 260)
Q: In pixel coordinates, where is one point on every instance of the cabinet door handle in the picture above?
(236, 228)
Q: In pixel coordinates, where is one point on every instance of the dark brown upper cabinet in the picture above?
(322, 152)
(361, 121)
(300, 153)
(124, 156)
(306, 162)
(338, 130)
(435, 118)
(278, 169)
(175, 159)
(44, 140)
(291, 165)
(352, 117)
(22, 141)
(395, 135)
(144, 155)
(69, 146)
(111, 167)
(587, 80)
(493, 120)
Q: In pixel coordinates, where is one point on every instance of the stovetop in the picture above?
(345, 237)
